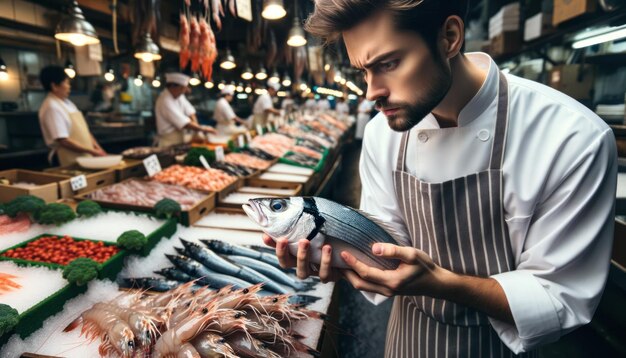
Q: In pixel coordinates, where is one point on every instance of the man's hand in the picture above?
(416, 275)
(301, 262)
(208, 129)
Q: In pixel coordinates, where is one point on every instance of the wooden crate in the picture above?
(47, 185)
(95, 179)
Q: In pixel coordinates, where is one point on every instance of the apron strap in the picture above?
(499, 139)
(402, 153)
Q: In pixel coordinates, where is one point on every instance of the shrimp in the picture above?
(184, 41)
(278, 307)
(115, 334)
(211, 345)
(7, 283)
(194, 44)
(143, 324)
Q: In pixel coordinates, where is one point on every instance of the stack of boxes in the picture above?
(539, 20)
(504, 31)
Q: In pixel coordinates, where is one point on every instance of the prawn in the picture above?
(184, 42)
(7, 283)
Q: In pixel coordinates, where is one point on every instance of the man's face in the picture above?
(63, 89)
(178, 90)
(405, 78)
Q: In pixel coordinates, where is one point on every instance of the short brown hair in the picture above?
(332, 17)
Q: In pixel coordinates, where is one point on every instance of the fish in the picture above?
(172, 273)
(322, 221)
(204, 275)
(258, 153)
(271, 272)
(219, 264)
(224, 248)
(149, 283)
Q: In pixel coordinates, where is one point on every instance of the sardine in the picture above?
(172, 273)
(149, 283)
(206, 277)
(224, 248)
(323, 221)
(219, 264)
(271, 272)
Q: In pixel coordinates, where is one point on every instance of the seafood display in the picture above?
(192, 321)
(147, 193)
(195, 178)
(302, 159)
(198, 47)
(273, 143)
(7, 283)
(322, 221)
(247, 160)
(9, 225)
(233, 169)
(62, 250)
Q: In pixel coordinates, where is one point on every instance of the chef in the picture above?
(225, 116)
(342, 108)
(502, 188)
(310, 104)
(364, 113)
(174, 113)
(264, 105)
(323, 104)
(63, 126)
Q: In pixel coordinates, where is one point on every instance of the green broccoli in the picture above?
(193, 156)
(88, 208)
(81, 270)
(24, 204)
(9, 317)
(132, 240)
(55, 213)
(167, 208)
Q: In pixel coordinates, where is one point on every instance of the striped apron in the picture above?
(460, 224)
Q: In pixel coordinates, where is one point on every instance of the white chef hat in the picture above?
(274, 85)
(178, 78)
(227, 90)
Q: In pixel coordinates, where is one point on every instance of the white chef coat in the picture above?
(323, 105)
(342, 108)
(288, 103)
(54, 119)
(310, 104)
(559, 176)
(172, 113)
(224, 113)
(263, 103)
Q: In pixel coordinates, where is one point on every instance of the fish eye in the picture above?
(223, 340)
(245, 290)
(275, 300)
(237, 315)
(131, 344)
(278, 205)
(205, 310)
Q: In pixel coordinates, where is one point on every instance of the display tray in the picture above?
(237, 220)
(276, 179)
(232, 187)
(317, 168)
(95, 179)
(129, 168)
(47, 185)
(187, 217)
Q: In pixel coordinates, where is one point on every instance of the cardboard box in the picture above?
(538, 26)
(129, 168)
(565, 10)
(47, 185)
(95, 179)
(573, 80)
(505, 43)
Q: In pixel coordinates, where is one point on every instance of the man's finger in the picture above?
(357, 282)
(285, 259)
(267, 240)
(407, 254)
(302, 267)
(368, 273)
(325, 271)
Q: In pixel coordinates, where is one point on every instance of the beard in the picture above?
(410, 114)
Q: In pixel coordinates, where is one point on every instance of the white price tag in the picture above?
(152, 164)
(219, 154)
(249, 137)
(259, 129)
(204, 162)
(241, 141)
(78, 182)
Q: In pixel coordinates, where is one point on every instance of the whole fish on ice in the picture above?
(323, 221)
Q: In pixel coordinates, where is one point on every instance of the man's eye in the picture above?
(388, 66)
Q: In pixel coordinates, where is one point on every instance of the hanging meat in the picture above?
(194, 44)
(208, 49)
(183, 39)
(218, 9)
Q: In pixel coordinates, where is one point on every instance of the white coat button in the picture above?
(483, 135)
(422, 137)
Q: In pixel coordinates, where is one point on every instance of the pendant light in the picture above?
(273, 9)
(229, 61)
(4, 73)
(221, 85)
(147, 50)
(248, 89)
(262, 74)
(239, 87)
(296, 36)
(275, 77)
(75, 29)
(156, 82)
(208, 84)
(286, 81)
(194, 81)
(247, 73)
(109, 75)
(70, 71)
(138, 81)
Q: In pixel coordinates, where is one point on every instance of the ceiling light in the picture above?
(248, 89)
(286, 81)
(221, 85)
(281, 94)
(147, 50)
(138, 81)
(296, 37)
(156, 83)
(262, 74)
(303, 86)
(247, 73)
(260, 91)
(109, 75)
(69, 69)
(242, 96)
(326, 67)
(600, 36)
(209, 84)
(229, 61)
(194, 81)
(75, 29)
(4, 73)
(273, 9)
(275, 78)
(239, 88)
